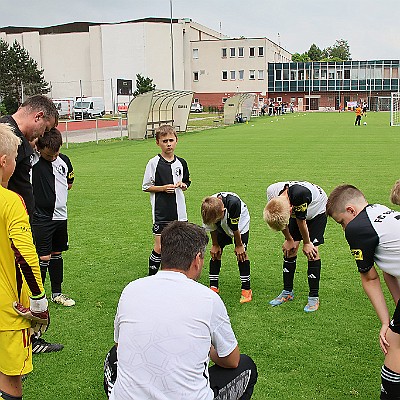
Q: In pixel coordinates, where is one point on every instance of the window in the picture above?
(224, 52)
(195, 76)
(323, 73)
(261, 51)
(252, 51)
(278, 74)
(346, 74)
(252, 74)
(331, 73)
(260, 74)
(241, 52)
(233, 75)
(224, 75)
(241, 74)
(292, 75)
(300, 75)
(233, 52)
(195, 53)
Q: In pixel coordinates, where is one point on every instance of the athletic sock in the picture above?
(244, 270)
(154, 262)
(314, 273)
(44, 265)
(289, 268)
(56, 272)
(6, 396)
(215, 267)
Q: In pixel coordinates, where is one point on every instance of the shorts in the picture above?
(225, 240)
(15, 352)
(394, 324)
(316, 229)
(390, 384)
(158, 227)
(50, 236)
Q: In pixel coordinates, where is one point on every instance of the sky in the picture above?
(371, 27)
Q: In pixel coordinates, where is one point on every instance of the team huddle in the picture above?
(168, 326)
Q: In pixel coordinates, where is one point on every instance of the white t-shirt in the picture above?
(164, 327)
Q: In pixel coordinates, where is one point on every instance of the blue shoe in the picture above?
(282, 298)
(312, 305)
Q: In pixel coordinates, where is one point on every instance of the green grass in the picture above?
(330, 354)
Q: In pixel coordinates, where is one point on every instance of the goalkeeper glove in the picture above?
(37, 313)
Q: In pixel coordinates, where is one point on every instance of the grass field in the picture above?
(331, 354)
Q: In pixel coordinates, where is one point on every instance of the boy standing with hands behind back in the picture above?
(166, 178)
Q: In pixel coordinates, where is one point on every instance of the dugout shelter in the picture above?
(148, 111)
(239, 106)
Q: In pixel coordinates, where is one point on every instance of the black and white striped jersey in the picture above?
(374, 236)
(308, 200)
(167, 207)
(236, 215)
(50, 187)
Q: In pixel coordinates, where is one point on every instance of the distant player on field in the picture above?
(19, 278)
(359, 113)
(297, 209)
(226, 217)
(373, 234)
(166, 178)
(52, 177)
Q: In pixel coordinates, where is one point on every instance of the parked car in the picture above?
(196, 107)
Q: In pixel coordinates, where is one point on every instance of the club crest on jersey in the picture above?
(300, 208)
(61, 170)
(178, 171)
(357, 254)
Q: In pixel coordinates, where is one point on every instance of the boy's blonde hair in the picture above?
(211, 208)
(165, 130)
(277, 213)
(9, 142)
(395, 194)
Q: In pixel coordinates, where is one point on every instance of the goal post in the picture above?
(395, 109)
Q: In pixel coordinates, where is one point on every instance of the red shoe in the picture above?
(214, 289)
(247, 296)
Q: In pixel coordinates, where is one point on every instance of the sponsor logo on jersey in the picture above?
(300, 208)
(61, 170)
(178, 171)
(357, 254)
(234, 221)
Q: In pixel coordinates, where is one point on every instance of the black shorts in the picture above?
(395, 321)
(390, 384)
(316, 229)
(50, 236)
(225, 240)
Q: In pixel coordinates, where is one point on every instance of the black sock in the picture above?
(215, 267)
(154, 262)
(244, 270)
(289, 268)
(44, 264)
(314, 273)
(56, 272)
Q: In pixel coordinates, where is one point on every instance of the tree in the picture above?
(143, 85)
(340, 50)
(296, 57)
(19, 75)
(314, 53)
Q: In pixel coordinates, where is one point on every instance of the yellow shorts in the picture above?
(15, 352)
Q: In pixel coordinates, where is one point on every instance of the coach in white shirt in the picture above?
(168, 326)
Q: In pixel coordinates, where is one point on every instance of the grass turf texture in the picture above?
(331, 354)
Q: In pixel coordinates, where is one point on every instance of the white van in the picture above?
(90, 107)
(65, 107)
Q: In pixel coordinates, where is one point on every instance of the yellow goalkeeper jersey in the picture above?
(19, 263)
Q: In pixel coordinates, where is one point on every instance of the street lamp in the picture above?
(172, 49)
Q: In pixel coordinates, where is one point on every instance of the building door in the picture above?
(314, 104)
(300, 103)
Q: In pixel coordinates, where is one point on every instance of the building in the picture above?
(326, 86)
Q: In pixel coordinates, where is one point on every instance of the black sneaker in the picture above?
(39, 345)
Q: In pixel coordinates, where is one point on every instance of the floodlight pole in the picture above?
(172, 49)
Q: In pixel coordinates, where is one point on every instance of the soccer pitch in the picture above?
(330, 354)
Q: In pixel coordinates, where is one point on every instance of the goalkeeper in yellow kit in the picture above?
(23, 303)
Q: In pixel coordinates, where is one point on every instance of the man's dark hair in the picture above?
(41, 103)
(51, 139)
(180, 243)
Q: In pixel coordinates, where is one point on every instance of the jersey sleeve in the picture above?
(20, 235)
(70, 173)
(362, 239)
(300, 197)
(233, 206)
(149, 176)
(186, 174)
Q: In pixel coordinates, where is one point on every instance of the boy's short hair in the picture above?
(211, 210)
(341, 196)
(51, 139)
(395, 194)
(277, 213)
(165, 130)
(9, 141)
